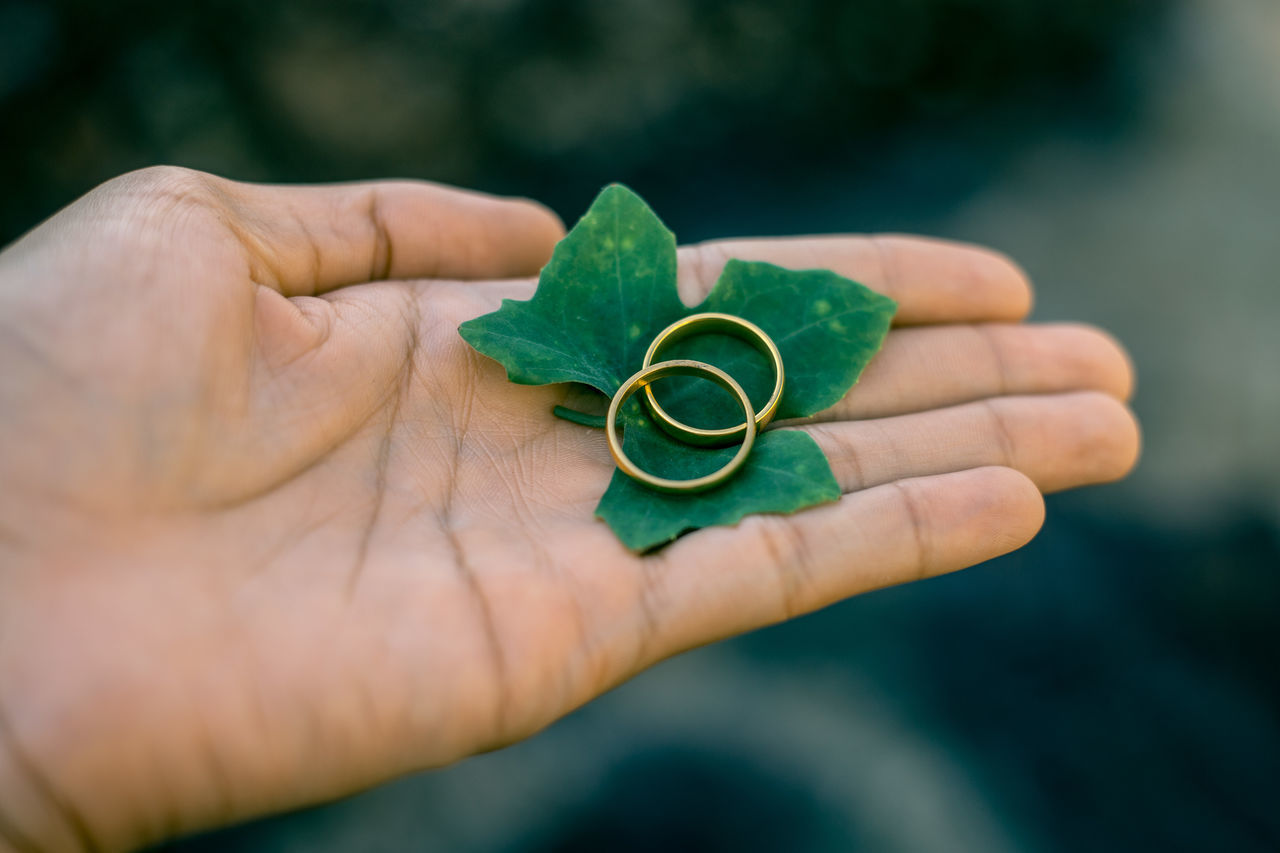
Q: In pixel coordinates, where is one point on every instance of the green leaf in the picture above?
(610, 287)
(826, 327)
(786, 471)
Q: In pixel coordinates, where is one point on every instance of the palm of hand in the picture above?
(306, 542)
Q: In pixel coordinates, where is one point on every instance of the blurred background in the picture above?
(1113, 686)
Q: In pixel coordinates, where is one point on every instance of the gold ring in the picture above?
(652, 373)
(709, 323)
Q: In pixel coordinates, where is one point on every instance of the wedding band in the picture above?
(713, 323)
(643, 379)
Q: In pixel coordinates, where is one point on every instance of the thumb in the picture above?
(312, 239)
(329, 355)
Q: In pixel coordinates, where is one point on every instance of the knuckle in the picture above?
(167, 179)
(791, 554)
(1003, 353)
(1005, 433)
(168, 189)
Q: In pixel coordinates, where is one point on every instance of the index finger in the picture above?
(933, 281)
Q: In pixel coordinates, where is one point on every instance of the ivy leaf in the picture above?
(786, 471)
(610, 287)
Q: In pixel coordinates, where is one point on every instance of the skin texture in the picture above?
(270, 532)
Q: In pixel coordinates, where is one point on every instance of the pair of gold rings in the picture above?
(650, 372)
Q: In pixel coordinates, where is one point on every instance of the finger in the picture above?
(933, 281)
(1060, 441)
(927, 368)
(305, 240)
(723, 581)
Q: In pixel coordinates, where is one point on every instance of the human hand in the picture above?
(270, 531)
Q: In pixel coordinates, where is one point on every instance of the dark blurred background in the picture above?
(1115, 685)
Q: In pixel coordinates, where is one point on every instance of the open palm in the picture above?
(270, 531)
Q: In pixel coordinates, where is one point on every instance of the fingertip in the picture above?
(550, 221)
(1080, 356)
(1019, 509)
(544, 227)
(1127, 441)
(1105, 445)
(977, 515)
(1119, 366)
(1022, 292)
(516, 235)
(946, 281)
(1002, 279)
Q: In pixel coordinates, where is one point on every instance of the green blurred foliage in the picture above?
(550, 98)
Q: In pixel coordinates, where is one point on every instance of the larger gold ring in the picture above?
(710, 323)
(652, 373)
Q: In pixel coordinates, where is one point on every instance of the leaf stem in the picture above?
(580, 418)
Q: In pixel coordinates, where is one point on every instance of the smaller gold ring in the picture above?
(652, 373)
(725, 324)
